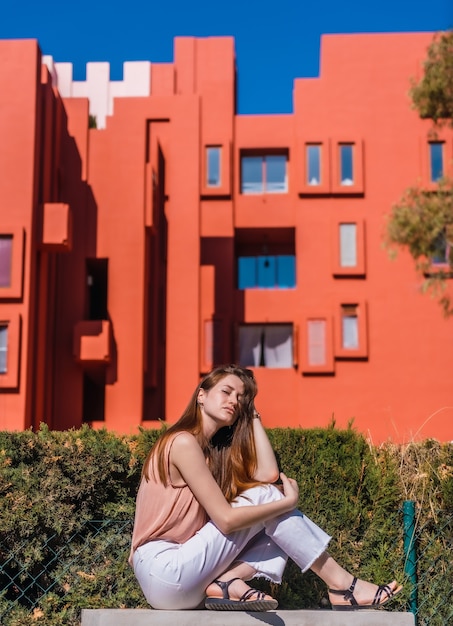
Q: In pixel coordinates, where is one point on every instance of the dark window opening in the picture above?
(93, 398)
(97, 288)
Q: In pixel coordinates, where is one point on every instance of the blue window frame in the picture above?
(346, 164)
(264, 174)
(313, 156)
(267, 272)
(436, 161)
(213, 166)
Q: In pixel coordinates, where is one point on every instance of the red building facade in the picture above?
(177, 235)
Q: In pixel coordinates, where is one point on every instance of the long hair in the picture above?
(231, 453)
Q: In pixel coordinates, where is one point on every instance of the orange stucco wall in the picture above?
(124, 281)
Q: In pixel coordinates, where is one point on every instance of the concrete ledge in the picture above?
(149, 617)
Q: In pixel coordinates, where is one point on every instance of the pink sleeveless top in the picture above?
(166, 512)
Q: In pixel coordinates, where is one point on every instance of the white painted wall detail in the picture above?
(98, 87)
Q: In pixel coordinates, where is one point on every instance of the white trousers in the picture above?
(175, 576)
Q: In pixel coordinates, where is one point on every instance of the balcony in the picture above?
(93, 343)
(57, 227)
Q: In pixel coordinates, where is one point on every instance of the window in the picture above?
(313, 160)
(3, 349)
(266, 258)
(348, 245)
(213, 166)
(267, 272)
(264, 174)
(348, 249)
(351, 332)
(436, 161)
(441, 249)
(10, 348)
(6, 249)
(349, 327)
(316, 344)
(266, 345)
(317, 341)
(346, 164)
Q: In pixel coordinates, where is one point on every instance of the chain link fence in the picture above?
(90, 570)
(431, 598)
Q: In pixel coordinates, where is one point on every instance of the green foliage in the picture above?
(426, 475)
(351, 493)
(433, 95)
(422, 222)
(51, 483)
(67, 501)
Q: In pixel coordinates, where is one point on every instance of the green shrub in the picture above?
(67, 501)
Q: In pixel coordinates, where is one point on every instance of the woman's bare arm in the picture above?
(188, 459)
(267, 469)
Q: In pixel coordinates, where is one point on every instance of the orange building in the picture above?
(177, 234)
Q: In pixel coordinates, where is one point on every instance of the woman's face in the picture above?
(220, 404)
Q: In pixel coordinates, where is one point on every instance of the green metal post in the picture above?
(410, 552)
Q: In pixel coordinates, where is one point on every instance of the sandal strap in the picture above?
(224, 586)
(348, 594)
(378, 596)
(251, 592)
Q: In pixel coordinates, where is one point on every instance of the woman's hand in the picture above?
(290, 490)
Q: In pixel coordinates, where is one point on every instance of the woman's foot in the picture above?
(362, 595)
(236, 595)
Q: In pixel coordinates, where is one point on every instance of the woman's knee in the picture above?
(260, 494)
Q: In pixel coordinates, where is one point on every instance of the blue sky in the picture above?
(276, 41)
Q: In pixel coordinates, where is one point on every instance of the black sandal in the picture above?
(243, 604)
(348, 595)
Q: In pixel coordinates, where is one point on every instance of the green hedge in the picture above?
(54, 484)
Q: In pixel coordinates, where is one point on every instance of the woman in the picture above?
(209, 518)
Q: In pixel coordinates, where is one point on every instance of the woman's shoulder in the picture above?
(183, 439)
(183, 449)
(184, 445)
